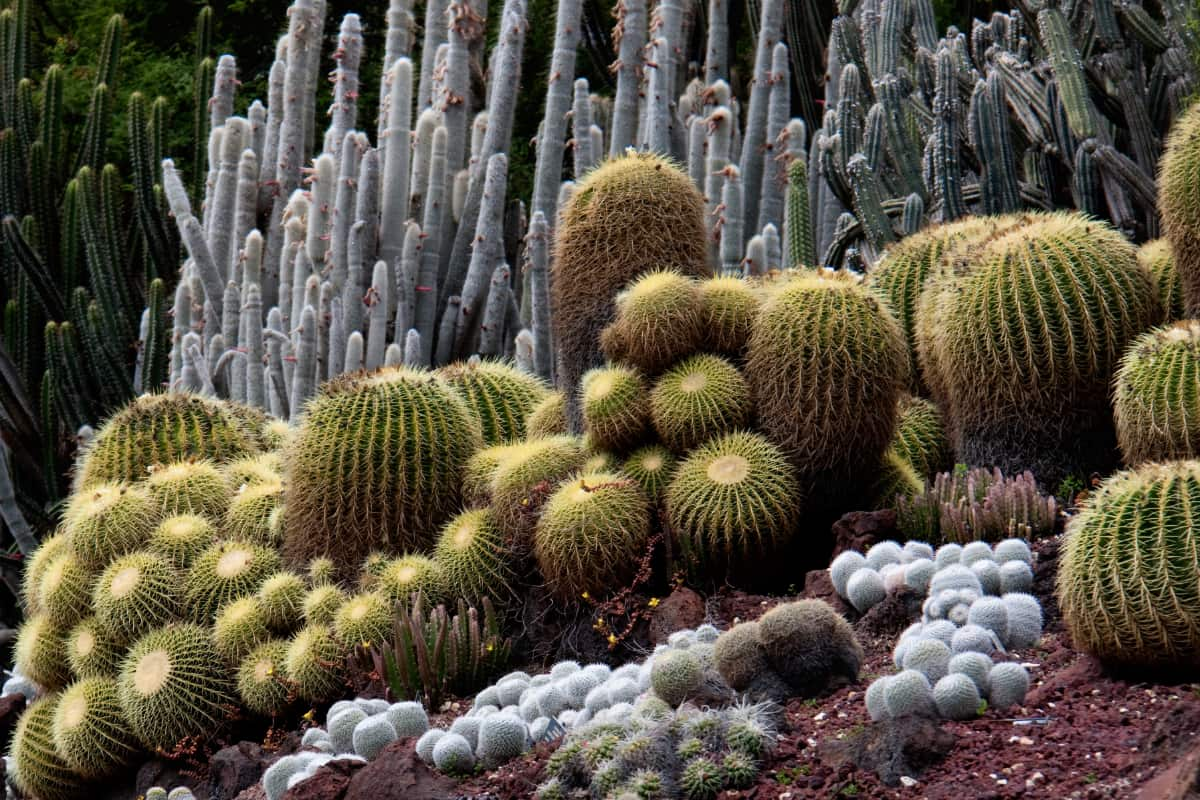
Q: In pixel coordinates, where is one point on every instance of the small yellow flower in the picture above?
(585, 596)
(600, 623)
(612, 640)
(491, 647)
(653, 602)
(312, 712)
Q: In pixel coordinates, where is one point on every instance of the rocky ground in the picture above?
(1082, 733)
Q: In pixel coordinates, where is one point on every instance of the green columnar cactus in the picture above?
(501, 396)
(797, 226)
(591, 535)
(630, 215)
(657, 322)
(1179, 202)
(163, 428)
(732, 501)
(173, 685)
(615, 406)
(1156, 404)
(37, 768)
(697, 399)
(1156, 256)
(376, 464)
(827, 364)
(728, 308)
(901, 273)
(1022, 380)
(1127, 582)
(475, 559)
(920, 437)
(90, 731)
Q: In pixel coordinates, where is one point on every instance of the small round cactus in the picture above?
(697, 399)
(501, 737)
(64, 590)
(975, 551)
(956, 696)
(474, 559)
(37, 769)
(975, 666)
(1015, 576)
(253, 513)
(947, 554)
(364, 619)
(468, 728)
(882, 553)
(739, 655)
(408, 718)
(341, 727)
(988, 573)
(518, 485)
(990, 613)
(652, 467)
(908, 693)
(616, 406)
(973, 638)
(740, 770)
(548, 418)
(808, 643)
(453, 754)
(427, 741)
(1024, 620)
(499, 394)
(675, 675)
(38, 652)
(1007, 684)
(189, 487)
(320, 604)
(240, 626)
(930, 657)
(134, 594)
(918, 573)
(955, 576)
(701, 779)
(263, 468)
(281, 597)
(658, 322)
(35, 568)
(371, 735)
(90, 732)
(224, 572)
(107, 521)
(91, 652)
(1012, 550)
(260, 680)
(181, 538)
(729, 306)
(846, 564)
(865, 589)
(313, 662)
(405, 576)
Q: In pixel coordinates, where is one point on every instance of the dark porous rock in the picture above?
(893, 614)
(682, 609)
(893, 749)
(330, 782)
(236, 768)
(11, 708)
(255, 792)
(819, 586)
(168, 775)
(398, 772)
(858, 530)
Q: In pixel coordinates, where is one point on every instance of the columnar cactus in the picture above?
(1179, 202)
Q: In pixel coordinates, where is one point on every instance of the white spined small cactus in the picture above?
(453, 755)
(597, 699)
(468, 728)
(489, 696)
(502, 737)
(680, 640)
(337, 708)
(538, 728)
(626, 671)
(972, 638)
(918, 573)
(551, 700)
(1013, 550)
(974, 551)
(876, 698)
(577, 686)
(341, 728)
(990, 613)
(930, 657)
(528, 707)
(1015, 576)
(956, 696)
(845, 565)
(975, 666)
(408, 718)
(562, 669)
(153, 793)
(538, 681)
(312, 736)
(622, 690)
(914, 551)
(275, 779)
(947, 554)
(988, 573)
(885, 552)
(959, 614)
(675, 675)
(1024, 620)
(893, 576)
(908, 693)
(181, 793)
(372, 735)
(865, 589)
(508, 692)
(707, 634)
(1008, 683)
(426, 743)
(19, 684)
(942, 630)
(372, 706)
(954, 576)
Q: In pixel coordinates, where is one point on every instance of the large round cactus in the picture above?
(826, 366)
(1019, 337)
(1156, 256)
(1128, 581)
(163, 428)
(377, 464)
(630, 215)
(502, 396)
(1179, 202)
(1156, 403)
(920, 437)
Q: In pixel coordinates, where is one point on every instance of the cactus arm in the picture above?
(245, 211)
(396, 162)
(435, 35)
(343, 208)
(716, 56)
(630, 32)
(256, 390)
(731, 223)
(538, 249)
(492, 328)
(344, 111)
(581, 125)
(868, 203)
(770, 207)
(548, 169)
(269, 160)
(445, 346)
(487, 252)
(753, 148)
(947, 171)
(34, 269)
(1068, 71)
(426, 302)
(406, 270)
(277, 399)
(913, 216)
(377, 304)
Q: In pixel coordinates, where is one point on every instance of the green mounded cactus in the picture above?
(37, 768)
(181, 538)
(108, 520)
(1023, 380)
(91, 652)
(548, 418)
(172, 685)
(313, 663)
(135, 594)
(500, 395)
(1179, 202)
(252, 513)
(701, 779)
(901, 273)
(163, 428)
(321, 570)
(31, 578)
(320, 605)
(240, 626)
(658, 322)
(376, 464)
(90, 731)
(920, 437)
(520, 483)
(728, 307)
(826, 366)
(1156, 402)
(65, 589)
(282, 598)
(808, 644)
(896, 477)
(226, 571)
(481, 470)
(38, 653)
(260, 682)
(364, 619)
(592, 534)
(189, 487)
(652, 467)
(630, 215)
(675, 675)
(263, 468)
(1127, 579)
(1157, 258)
(405, 576)
(739, 655)
(616, 406)
(732, 501)
(475, 559)
(697, 399)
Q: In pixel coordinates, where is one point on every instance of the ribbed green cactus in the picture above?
(591, 535)
(697, 399)
(548, 418)
(521, 483)
(1127, 579)
(475, 559)
(630, 215)
(92, 653)
(90, 731)
(1157, 258)
(501, 396)
(1020, 341)
(1156, 403)
(261, 683)
(615, 405)
(134, 594)
(1179, 202)
(189, 487)
(38, 653)
(37, 767)
(729, 306)
(376, 464)
(658, 321)
(920, 437)
(826, 365)
(652, 467)
(224, 572)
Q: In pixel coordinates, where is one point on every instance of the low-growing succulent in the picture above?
(38, 652)
(992, 614)
(475, 560)
(371, 735)
(341, 725)
(1024, 620)
(408, 718)
(728, 306)
(313, 663)
(908, 693)
(930, 657)
(841, 568)
(252, 515)
(92, 652)
(973, 638)
(956, 696)
(876, 698)
(501, 737)
(616, 406)
(363, 619)
(281, 597)
(453, 754)
(64, 589)
(658, 321)
(1007, 684)
(136, 593)
(675, 675)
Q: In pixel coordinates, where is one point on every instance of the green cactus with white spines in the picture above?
(135, 594)
(263, 468)
(826, 366)
(313, 663)
(172, 685)
(109, 520)
(38, 652)
(64, 589)
(1127, 580)
(90, 731)
(548, 418)
(500, 395)
(1156, 402)
(92, 652)
(164, 428)
(1179, 202)
(728, 307)
(37, 768)
(189, 487)
(652, 467)
(181, 538)
(407, 575)
(481, 470)
(1157, 258)
(239, 627)
(251, 515)
(1019, 343)
(225, 571)
(31, 578)
(658, 321)
(260, 678)
(732, 501)
(281, 596)
(530, 465)
(616, 406)
(591, 534)
(364, 619)
(377, 463)
(920, 437)
(697, 399)
(321, 603)
(475, 559)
